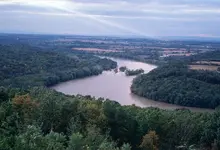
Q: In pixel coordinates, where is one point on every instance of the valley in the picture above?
(58, 97)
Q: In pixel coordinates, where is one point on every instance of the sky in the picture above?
(150, 18)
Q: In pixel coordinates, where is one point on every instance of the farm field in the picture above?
(209, 62)
(204, 67)
(95, 50)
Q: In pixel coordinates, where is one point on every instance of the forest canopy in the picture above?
(177, 84)
(38, 118)
(26, 66)
(129, 72)
(42, 119)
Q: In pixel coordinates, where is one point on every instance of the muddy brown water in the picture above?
(116, 86)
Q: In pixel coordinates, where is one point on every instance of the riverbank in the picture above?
(116, 87)
(133, 58)
(177, 84)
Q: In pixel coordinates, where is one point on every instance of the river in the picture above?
(116, 86)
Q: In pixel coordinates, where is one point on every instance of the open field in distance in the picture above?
(204, 67)
(95, 50)
(208, 62)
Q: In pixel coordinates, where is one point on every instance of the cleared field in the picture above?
(208, 62)
(203, 67)
(179, 54)
(95, 50)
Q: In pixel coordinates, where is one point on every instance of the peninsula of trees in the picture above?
(26, 66)
(176, 84)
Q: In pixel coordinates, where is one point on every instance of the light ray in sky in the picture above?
(68, 7)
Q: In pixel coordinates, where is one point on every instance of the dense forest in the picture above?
(129, 72)
(177, 84)
(207, 56)
(38, 118)
(42, 119)
(212, 55)
(26, 66)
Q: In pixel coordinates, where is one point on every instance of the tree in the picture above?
(177, 84)
(10, 125)
(31, 139)
(107, 145)
(150, 141)
(126, 147)
(133, 72)
(123, 68)
(76, 142)
(122, 126)
(94, 138)
(55, 141)
(50, 112)
(25, 66)
(3, 95)
(25, 106)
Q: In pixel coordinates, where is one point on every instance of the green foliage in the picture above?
(55, 141)
(118, 120)
(76, 142)
(123, 68)
(177, 84)
(126, 147)
(26, 66)
(150, 141)
(33, 139)
(42, 119)
(133, 72)
(3, 95)
(78, 122)
(208, 56)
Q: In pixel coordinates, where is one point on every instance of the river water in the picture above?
(116, 86)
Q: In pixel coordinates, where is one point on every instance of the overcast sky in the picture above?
(112, 17)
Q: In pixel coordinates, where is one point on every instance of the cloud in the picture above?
(143, 17)
(123, 16)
